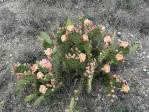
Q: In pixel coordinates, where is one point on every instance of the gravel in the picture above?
(21, 21)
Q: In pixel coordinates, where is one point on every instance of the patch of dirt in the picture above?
(21, 21)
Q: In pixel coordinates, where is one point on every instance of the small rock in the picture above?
(144, 70)
(131, 35)
(10, 55)
(119, 33)
(143, 57)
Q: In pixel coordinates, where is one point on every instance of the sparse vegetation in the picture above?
(2, 105)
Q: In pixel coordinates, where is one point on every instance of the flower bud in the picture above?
(106, 68)
(63, 38)
(102, 28)
(40, 75)
(70, 28)
(48, 51)
(125, 88)
(88, 22)
(85, 38)
(82, 57)
(124, 44)
(119, 57)
(43, 89)
(34, 68)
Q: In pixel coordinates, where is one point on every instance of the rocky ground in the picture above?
(21, 21)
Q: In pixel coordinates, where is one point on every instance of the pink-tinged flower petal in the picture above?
(88, 22)
(19, 76)
(48, 51)
(34, 68)
(107, 39)
(46, 63)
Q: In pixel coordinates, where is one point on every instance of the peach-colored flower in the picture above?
(107, 40)
(125, 88)
(85, 38)
(40, 75)
(46, 63)
(106, 68)
(48, 51)
(63, 38)
(70, 28)
(34, 68)
(82, 57)
(124, 44)
(43, 89)
(93, 27)
(88, 22)
(119, 57)
(102, 28)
